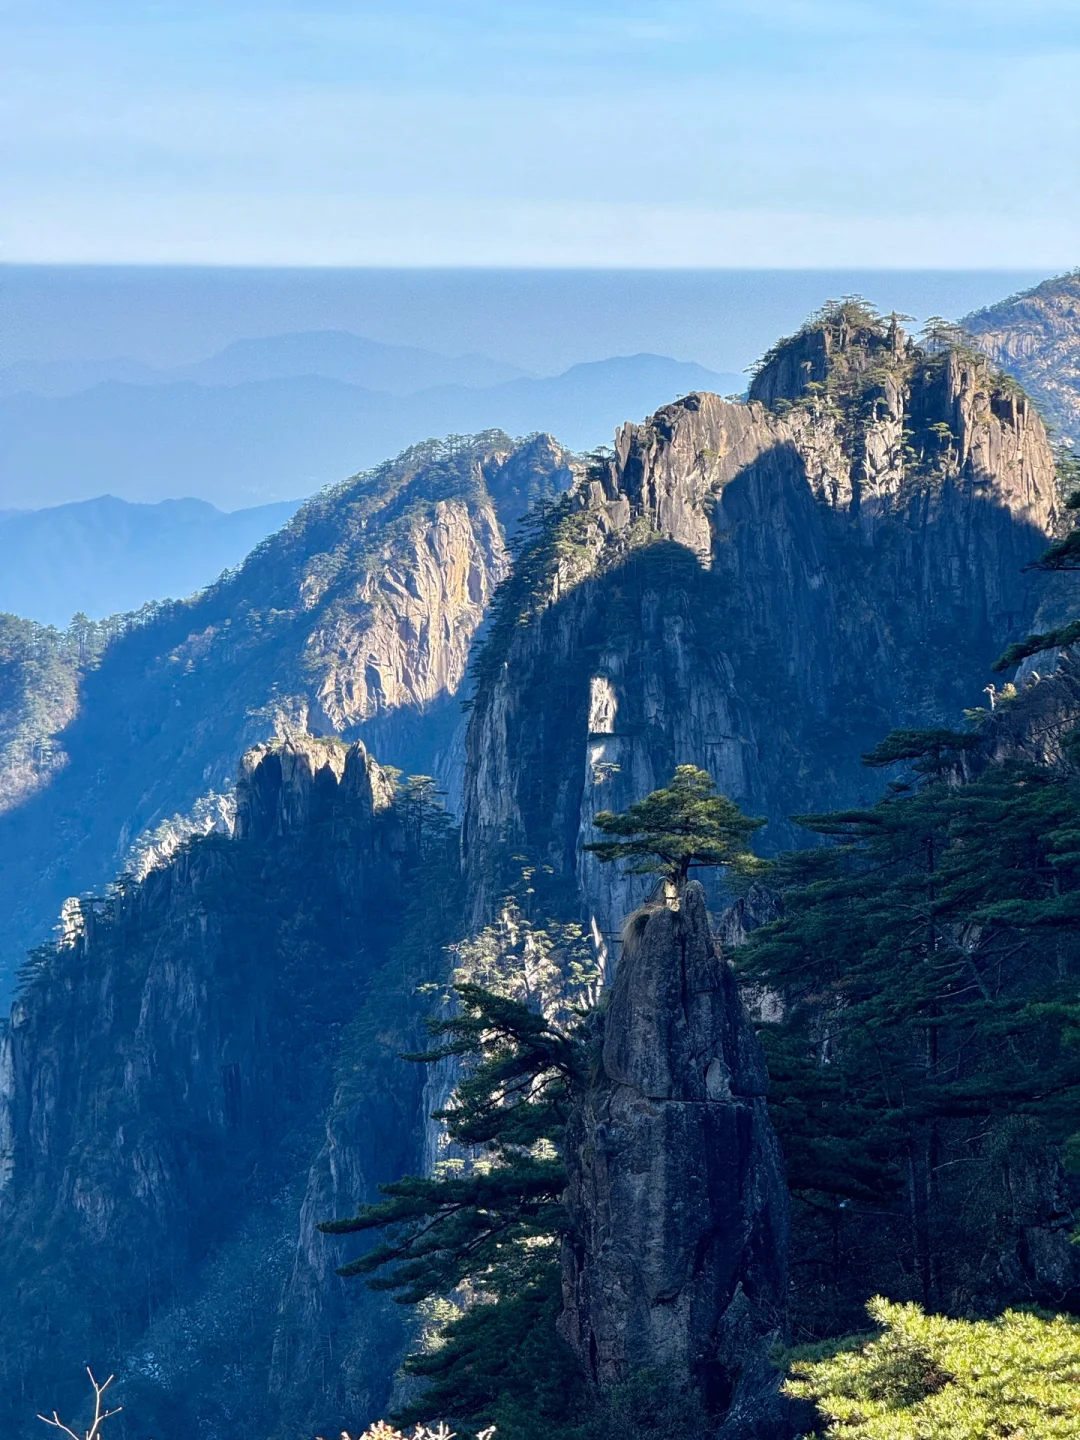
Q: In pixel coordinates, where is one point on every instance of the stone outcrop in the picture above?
(1035, 336)
(764, 593)
(677, 1260)
(181, 1103)
(761, 589)
(1037, 725)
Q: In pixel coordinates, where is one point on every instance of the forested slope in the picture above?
(356, 618)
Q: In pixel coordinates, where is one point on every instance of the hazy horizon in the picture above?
(541, 319)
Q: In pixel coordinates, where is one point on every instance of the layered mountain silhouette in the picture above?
(266, 420)
(105, 555)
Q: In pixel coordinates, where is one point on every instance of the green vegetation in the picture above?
(851, 318)
(924, 1052)
(848, 362)
(476, 1247)
(1064, 635)
(929, 1033)
(683, 825)
(550, 553)
(40, 672)
(925, 1377)
(486, 1228)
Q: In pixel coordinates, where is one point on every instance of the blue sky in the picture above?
(490, 132)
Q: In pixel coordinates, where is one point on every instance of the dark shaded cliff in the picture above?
(356, 619)
(678, 1205)
(206, 1067)
(202, 1072)
(761, 592)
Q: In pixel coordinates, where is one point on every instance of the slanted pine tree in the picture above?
(487, 1229)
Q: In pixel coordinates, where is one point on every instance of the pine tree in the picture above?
(683, 825)
(925, 1377)
(927, 961)
(488, 1227)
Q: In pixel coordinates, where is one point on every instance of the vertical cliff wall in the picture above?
(677, 1261)
(763, 590)
(206, 1069)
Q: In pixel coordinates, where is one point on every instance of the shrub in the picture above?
(925, 1377)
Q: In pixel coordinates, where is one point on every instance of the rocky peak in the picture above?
(285, 785)
(842, 343)
(764, 593)
(538, 468)
(168, 1081)
(677, 1260)
(354, 621)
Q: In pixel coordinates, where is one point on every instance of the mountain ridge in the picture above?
(355, 619)
(106, 556)
(1035, 335)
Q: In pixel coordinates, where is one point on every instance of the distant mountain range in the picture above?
(107, 555)
(333, 354)
(269, 419)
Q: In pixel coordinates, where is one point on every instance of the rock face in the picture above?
(181, 1101)
(678, 1258)
(764, 593)
(207, 1066)
(1036, 337)
(39, 692)
(1036, 726)
(355, 620)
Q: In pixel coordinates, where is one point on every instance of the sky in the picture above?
(891, 133)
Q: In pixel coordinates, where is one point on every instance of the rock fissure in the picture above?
(677, 1199)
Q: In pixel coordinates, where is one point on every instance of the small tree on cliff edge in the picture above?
(685, 824)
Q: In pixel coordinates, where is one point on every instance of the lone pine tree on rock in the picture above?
(685, 824)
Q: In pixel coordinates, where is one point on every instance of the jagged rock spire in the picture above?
(678, 1257)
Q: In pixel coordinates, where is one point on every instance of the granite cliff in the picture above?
(678, 1257)
(203, 1069)
(1035, 336)
(354, 620)
(761, 589)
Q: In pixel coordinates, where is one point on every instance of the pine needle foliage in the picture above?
(685, 824)
(488, 1225)
(546, 544)
(925, 1377)
(927, 963)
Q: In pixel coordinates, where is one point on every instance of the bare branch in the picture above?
(100, 1414)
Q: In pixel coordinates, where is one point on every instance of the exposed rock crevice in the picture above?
(764, 594)
(677, 1260)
